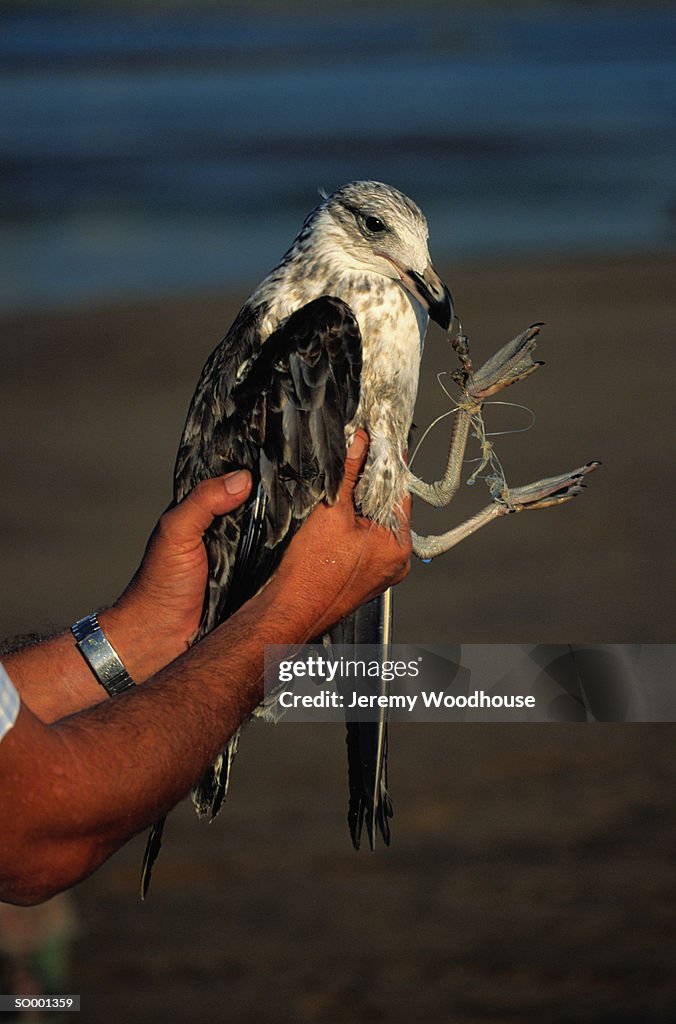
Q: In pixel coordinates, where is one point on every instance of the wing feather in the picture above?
(291, 407)
(279, 408)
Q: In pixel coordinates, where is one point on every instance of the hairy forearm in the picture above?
(73, 792)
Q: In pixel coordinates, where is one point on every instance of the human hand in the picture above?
(336, 562)
(163, 603)
(339, 560)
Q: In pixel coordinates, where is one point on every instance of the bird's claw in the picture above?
(511, 363)
(553, 490)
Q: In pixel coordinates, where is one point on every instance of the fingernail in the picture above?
(237, 481)
(358, 447)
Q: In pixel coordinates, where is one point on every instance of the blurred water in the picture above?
(140, 155)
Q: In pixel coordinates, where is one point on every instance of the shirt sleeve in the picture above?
(9, 703)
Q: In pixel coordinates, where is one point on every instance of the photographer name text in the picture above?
(404, 702)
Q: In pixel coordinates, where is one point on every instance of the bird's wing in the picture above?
(284, 419)
(279, 409)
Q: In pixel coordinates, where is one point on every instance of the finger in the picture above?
(354, 461)
(215, 497)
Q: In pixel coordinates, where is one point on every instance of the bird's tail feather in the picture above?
(369, 800)
(150, 856)
(212, 789)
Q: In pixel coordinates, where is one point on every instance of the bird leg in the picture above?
(554, 490)
(512, 363)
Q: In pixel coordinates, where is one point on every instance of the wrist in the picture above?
(143, 648)
(301, 607)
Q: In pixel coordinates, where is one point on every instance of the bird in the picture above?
(329, 342)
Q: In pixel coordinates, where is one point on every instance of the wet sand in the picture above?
(530, 876)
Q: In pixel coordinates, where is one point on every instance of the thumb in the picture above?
(355, 458)
(216, 496)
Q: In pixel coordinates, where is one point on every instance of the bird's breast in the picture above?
(392, 331)
(392, 337)
(392, 326)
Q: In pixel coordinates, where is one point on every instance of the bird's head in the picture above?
(378, 228)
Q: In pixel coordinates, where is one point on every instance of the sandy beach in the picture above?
(530, 875)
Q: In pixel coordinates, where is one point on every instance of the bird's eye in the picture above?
(374, 224)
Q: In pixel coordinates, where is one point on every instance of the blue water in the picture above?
(140, 155)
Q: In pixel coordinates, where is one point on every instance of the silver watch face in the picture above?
(100, 655)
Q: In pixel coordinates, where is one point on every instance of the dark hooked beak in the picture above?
(429, 289)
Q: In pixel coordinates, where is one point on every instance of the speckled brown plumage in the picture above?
(330, 341)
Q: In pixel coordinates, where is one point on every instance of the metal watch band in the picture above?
(101, 657)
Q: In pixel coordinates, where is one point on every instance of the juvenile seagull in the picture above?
(329, 342)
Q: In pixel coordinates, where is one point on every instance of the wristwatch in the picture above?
(100, 655)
